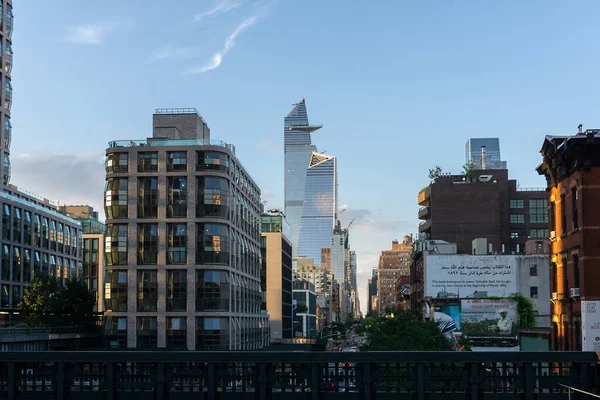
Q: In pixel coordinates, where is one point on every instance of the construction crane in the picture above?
(350, 224)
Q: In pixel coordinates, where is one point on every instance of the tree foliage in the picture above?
(47, 303)
(403, 332)
(525, 309)
(435, 173)
(469, 169)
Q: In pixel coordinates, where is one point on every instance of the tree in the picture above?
(469, 169)
(435, 173)
(525, 309)
(404, 332)
(47, 303)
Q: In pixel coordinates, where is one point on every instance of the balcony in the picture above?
(424, 196)
(425, 226)
(293, 375)
(424, 212)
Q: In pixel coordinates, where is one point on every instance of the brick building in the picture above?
(571, 165)
(392, 264)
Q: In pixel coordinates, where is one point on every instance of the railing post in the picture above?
(314, 381)
(529, 380)
(474, 381)
(212, 384)
(367, 380)
(420, 381)
(262, 381)
(11, 380)
(110, 381)
(160, 381)
(60, 381)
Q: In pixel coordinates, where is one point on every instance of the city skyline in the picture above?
(410, 115)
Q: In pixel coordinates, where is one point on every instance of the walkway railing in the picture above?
(294, 376)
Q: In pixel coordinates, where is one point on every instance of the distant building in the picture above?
(326, 257)
(571, 165)
(484, 153)
(7, 18)
(305, 320)
(372, 292)
(276, 274)
(392, 264)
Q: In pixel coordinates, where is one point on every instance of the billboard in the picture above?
(489, 318)
(469, 276)
(590, 325)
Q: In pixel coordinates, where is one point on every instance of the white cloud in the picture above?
(220, 7)
(173, 52)
(270, 145)
(93, 34)
(217, 59)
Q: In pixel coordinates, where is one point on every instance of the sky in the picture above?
(399, 85)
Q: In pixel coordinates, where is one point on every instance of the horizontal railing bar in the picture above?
(579, 390)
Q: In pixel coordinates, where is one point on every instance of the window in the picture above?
(16, 265)
(147, 198)
(176, 290)
(212, 290)
(115, 291)
(517, 218)
(212, 197)
(538, 211)
(213, 244)
(17, 225)
(576, 271)
(115, 198)
(148, 162)
(565, 275)
(177, 201)
(5, 263)
(115, 332)
(212, 160)
(146, 332)
(16, 296)
(147, 290)
(533, 270)
(517, 203)
(212, 333)
(574, 213)
(6, 224)
(37, 265)
(4, 296)
(177, 242)
(538, 233)
(116, 244)
(59, 238)
(117, 162)
(176, 333)
(533, 292)
(563, 214)
(147, 244)
(553, 216)
(7, 125)
(52, 235)
(177, 161)
(26, 265)
(517, 233)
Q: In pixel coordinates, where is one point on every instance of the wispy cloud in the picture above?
(173, 52)
(93, 34)
(220, 7)
(217, 59)
(271, 145)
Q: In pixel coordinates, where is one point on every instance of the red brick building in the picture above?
(571, 165)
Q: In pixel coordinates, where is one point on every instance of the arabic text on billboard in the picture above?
(590, 322)
(467, 276)
(487, 318)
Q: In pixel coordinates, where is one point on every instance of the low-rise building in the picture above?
(305, 318)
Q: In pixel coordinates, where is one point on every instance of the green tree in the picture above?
(469, 169)
(435, 173)
(40, 302)
(525, 309)
(404, 332)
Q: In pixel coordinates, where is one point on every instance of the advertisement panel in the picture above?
(488, 319)
(469, 276)
(590, 325)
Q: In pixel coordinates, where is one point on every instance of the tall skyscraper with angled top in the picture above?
(298, 150)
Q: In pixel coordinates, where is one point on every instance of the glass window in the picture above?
(212, 160)
(177, 290)
(4, 296)
(517, 218)
(177, 161)
(176, 333)
(212, 290)
(533, 270)
(6, 222)
(115, 332)
(117, 162)
(147, 290)
(147, 244)
(5, 263)
(115, 198)
(16, 296)
(212, 333)
(538, 211)
(213, 244)
(576, 271)
(177, 242)
(538, 233)
(115, 291)
(147, 332)
(563, 214)
(116, 244)
(517, 233)
(17, 225)
(7, 94)
(16, 265)
(533, 292)
(212, 197)
(37, 231)
(517, 203)
(574, 213)
(59, 238)
(52, 235)
(148, 162)
(7, 125)
(177, 201)
(147, 198)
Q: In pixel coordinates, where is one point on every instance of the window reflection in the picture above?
(213, 244)
(177, 201)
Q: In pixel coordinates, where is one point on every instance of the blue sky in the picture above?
(399, 86)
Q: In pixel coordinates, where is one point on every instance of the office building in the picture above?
(457, 209)
(393, 264)
(183, 241)
(372, 291)
(298, 150)
(6, 31)
(571, 165)
(484, 153)
(276, 274)
(305, 318)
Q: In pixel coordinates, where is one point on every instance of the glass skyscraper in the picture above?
(492, 153)
(320, 206)
(298, 149)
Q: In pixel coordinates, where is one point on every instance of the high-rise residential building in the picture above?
(326, 257)
(392, 264)
(320, 277)
(298, 149)
(484, 153)
(92, 250)
(183, 241)
(571, 165)
(458, 209)
(276, 274)
(6, 30)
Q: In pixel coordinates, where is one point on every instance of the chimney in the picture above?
(580, 129)
(483, 157)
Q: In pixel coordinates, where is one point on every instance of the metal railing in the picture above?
(295, 375)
